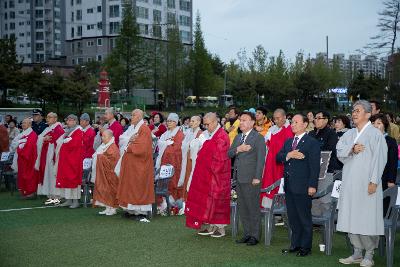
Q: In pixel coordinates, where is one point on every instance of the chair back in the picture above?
(390, 193)
(163, 176)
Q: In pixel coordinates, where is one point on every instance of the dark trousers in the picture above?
(300, 220)
(249, 208)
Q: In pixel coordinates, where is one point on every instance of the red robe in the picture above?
(209, 195)
(27, 183)
(88, 140)
(70, 167)
(161, 129)
(117, 130)
(273, 171)
(55, 134)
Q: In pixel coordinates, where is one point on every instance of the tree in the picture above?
(200, 70)
(306, 84)
(372, 87)
(127, 62)
(55, 89)
(80, 87)
(389, 26)
(9, 67)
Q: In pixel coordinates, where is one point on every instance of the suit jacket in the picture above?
(248, 165)
(300, 174)
(390, 171)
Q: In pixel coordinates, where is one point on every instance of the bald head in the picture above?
(195, 122)
(109, 114)
(210, 122)
(137, 115)
(279, 117)
(26, 123)
(106, 136)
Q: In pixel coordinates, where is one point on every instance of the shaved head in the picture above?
(212, 116)
(139, 113)
(106, 136)
(108, 133)
(280, 111)
(196, 118)
(26, 123)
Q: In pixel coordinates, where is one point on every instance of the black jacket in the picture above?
(328, 139)
(390, 171)
(38, 128)
(300, 174)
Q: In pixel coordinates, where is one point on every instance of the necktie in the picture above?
(242, 139)
(294, 145)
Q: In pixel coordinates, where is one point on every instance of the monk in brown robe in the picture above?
(170, 144)
(136, 169)
(106, 182)
(4, 141)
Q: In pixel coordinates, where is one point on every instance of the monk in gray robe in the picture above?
(363, 151)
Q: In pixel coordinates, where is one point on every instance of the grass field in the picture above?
(64, 237)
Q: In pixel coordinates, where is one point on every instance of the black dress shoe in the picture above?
(252, 241)
(290, 250)
(243, 240)
(127, 215)
(303, 252)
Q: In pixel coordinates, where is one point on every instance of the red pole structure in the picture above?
(104, 90)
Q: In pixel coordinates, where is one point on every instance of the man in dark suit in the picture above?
(301, 158)
(248, 150)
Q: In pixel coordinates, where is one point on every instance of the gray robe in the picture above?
(359, 212)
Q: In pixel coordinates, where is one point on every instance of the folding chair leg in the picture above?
(234, 224)
(268, 218)
(168, 205)
(389, 248)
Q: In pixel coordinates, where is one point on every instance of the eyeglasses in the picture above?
(356, 111)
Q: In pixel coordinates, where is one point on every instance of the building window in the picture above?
(99, 41)
(156, 16)
(90, 43)
(184, 20)
(38, 2)
(79, 31)
(12, 26)
(171, 3)
(21, 23)
(39, 13)
(39, 47)
(72, 32)
(114, 27)
(114, 11)
(12, 15)
(21, 12)
(157, 2)
(142, 12)
(89, 10)
(171, 18)
(184, 5)
(90, 59)
(80, 60)
(73, 60)
(21, 34)
(144, 29)
(185, 36)
(157, 31)
(112, 42)
(90, 27)
(39, 24)
(78, 2)
(11, 4)
(39, 36)
(98, 9)
(79, 15)
(99, 25)
(99, 57)
(72, 2)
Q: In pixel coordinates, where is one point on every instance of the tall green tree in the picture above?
(200, 69)
(80, 87)
(126, 63)
(9, 67)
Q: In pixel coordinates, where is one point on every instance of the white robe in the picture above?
(359, 212)
(48, 188)
(163, 143)
(189, 137)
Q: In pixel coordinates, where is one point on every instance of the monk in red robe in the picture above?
(25, 158)
(88, 136)
(106, 182)
(275, 139)
(69, 158)
(136, 187)
(44, 166)
(170, 145)
(112, 124)
(209, 195)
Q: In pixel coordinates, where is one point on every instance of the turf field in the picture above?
(81, 237)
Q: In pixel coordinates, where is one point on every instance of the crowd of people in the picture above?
(212, 154)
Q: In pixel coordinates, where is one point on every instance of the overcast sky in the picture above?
(290, 25)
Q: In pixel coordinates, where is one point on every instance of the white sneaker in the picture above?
(104, 211)
(111, 211)
(350, 260)
(56, 201)
(367, 263)
(49, 201)
(220, 232)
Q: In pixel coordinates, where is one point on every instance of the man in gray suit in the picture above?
(248, 151)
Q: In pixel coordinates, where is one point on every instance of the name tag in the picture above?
(87, 163)
(166, 171)
(336, 189)
(4, 156)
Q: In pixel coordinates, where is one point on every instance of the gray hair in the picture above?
(196, 117)
(52, 114)
(111, 110)
(108, 132)
(138, 111)
(365, 105)
(211, 116)
(281, 111)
